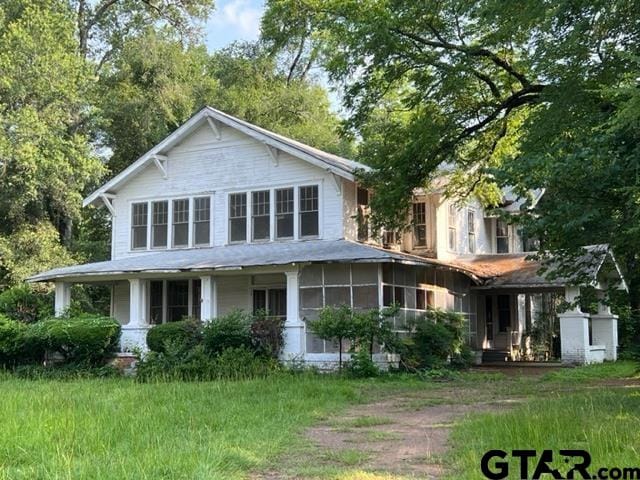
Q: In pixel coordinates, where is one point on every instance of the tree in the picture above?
(45, 157)
(334, 324)
(527, 94)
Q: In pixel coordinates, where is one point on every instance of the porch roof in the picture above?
(520, 271)
(234, 257)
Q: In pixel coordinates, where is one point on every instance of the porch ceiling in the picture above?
(230, 257)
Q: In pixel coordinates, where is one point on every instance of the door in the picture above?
(503, 325)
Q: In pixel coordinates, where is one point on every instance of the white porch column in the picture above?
(134, 334)
(62, 298)
(574, 331)
(604, 329)
(294, 344)
(209, 289)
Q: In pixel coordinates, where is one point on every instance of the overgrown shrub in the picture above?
(174, 364)
(67, 371)
(362, 366)
(185, 334)
(84, 339)
(229, 331)
(17, 343)
(26, 304)
(436, 339)
(267, 337)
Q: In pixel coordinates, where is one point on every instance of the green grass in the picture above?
(118, 429)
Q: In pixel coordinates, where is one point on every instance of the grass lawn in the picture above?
(118, 429)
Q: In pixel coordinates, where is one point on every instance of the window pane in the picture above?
(337, 296)
(139, 220)
(238, 217)
(387, 295)
(260, 215)
(259, 300)
(160, 220)
(421, 299)
(181, 222)
(201, 220)
(278, 302)
(196, 298)
(398, 296)
(365, 297)
(311, 297)
(309, 211)
(502, 245)
(284, 213)
(177, 300)
(155, 302)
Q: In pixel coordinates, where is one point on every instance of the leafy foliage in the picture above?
(267, 334)
(17, 344)
(185, 334)
(83, 339)
(229, 331)
(25, 304)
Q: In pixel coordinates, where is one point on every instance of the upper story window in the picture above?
(284, 213)
(201, 220)
(163, 223)
(420, 224)
(453, 227)
(363, 214)
(471, 230)
(309, 211)
(159, 224)
(502, 236)
(238, 217)
(180, 223)
(260, 216)
(139, 221)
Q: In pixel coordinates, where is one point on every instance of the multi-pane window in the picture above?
(363, 214)
(420, 224)
(260, 215)
(502, 236)
(284, 213)
(177, 300)
(309, 211)
(504, 312)
(139, 220)
(272, 301)
(159, 224)
(453, 227)
(180, 222)
(201, 220)
(471, 230)
(172, 300)
(424, 299)
(238, 217)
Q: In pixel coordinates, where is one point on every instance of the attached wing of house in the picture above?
(225, 215)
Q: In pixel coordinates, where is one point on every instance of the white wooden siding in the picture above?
(203, 165)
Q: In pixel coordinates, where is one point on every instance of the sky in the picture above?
(233, 20)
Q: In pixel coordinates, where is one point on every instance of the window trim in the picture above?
(452, 227)
(471, 233)
(167, 225)
(507, 237)
(247, 217)
(165, 297)
(253, 217)
(193, 221)
(299, 212)
(188, 222)
(275, 213)
(425, 205)
(131, 227)
(149, 201)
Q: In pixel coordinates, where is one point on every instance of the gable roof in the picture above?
(333, 163)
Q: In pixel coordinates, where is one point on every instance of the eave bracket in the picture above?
(161, 162)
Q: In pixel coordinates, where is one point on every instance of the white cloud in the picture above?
(240, 15)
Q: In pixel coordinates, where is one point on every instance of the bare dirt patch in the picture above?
(410, 441)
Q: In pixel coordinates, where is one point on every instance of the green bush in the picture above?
(174, 364)
(230, 331)
(267, 337)
(362, 366)
(436, 339)
(185, 333)
(17, 343)
(68, 371)
(84, 339)
(25, 304)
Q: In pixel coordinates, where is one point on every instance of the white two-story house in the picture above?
(224, 215)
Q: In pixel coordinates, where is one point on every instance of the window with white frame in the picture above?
(471, 230)
(238, 217)
(309, 211)
(420, 224)
(159, 223)
(453, 227)
(173, 300)
(363, 214)
(139, 222)
(202, 220)
(404, 286)
(502, 236)
(284, 213)
(180, 237)
(260, 216)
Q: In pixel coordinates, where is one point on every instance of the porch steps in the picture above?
(494, 356)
